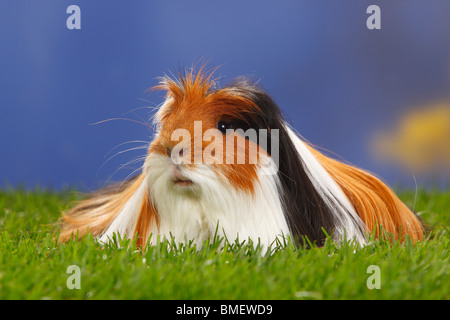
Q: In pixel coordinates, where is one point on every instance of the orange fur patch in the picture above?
(193, 98)
(148, 218)
(95, 214)
(376, 204)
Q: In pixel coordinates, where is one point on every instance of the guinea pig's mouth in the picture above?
(183, 182)
(179, 178)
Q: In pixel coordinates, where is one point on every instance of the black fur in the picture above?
(305, 210)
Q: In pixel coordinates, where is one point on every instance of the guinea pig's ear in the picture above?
(163, 112)
(173, 92)
(188, 86)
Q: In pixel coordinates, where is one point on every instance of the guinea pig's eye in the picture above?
(223, 126)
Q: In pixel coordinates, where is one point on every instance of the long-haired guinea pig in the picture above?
(224, 162)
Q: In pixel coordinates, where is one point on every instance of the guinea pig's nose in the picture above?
(169, 152)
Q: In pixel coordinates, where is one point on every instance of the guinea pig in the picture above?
(224, 162)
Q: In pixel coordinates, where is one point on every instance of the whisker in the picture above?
(230, 169)
(149, 101)
(131, 174)
(127, 142)
(141, 158)
(143, 107)
(287, 176)
(137, 115)
(120, 152)
(126, 119)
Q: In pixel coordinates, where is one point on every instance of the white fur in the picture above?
(211, 204)
(125, 222)
(196, 212)
(346, 219)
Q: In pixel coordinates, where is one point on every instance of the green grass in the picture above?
(33, 267)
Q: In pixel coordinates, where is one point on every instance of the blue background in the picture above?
(336, 80)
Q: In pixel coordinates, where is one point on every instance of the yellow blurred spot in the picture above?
(420, 141)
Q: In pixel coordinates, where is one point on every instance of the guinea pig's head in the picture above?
(209, 137)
